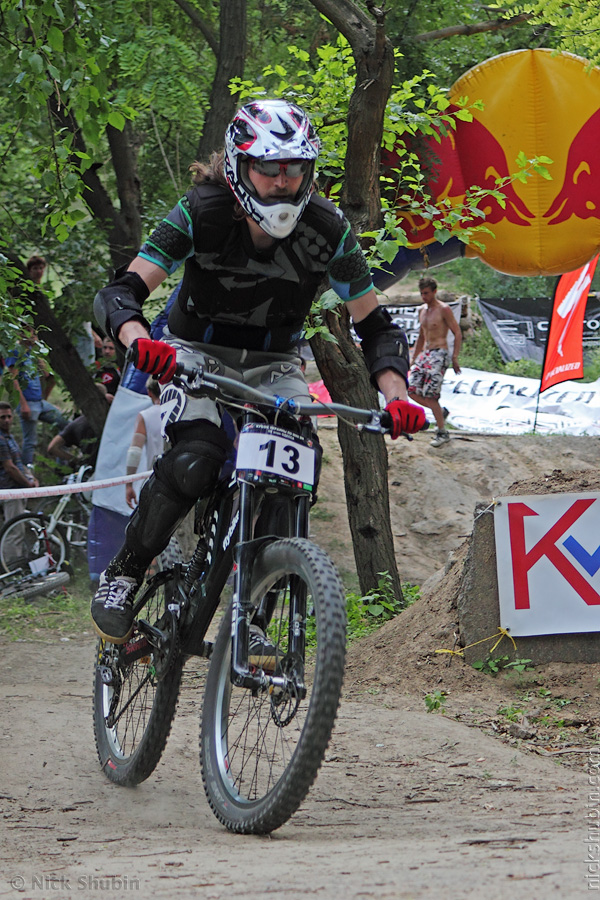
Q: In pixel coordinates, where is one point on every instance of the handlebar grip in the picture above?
(386, 421)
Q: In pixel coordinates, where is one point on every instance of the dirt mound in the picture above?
(549, 709)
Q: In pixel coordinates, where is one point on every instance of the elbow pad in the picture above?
(383, 344)
(120, 301)
(134, 455)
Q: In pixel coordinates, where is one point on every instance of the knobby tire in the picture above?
(130, 750)
(261, 752)
(33, 586)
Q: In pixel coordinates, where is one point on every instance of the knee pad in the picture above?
(190, 469)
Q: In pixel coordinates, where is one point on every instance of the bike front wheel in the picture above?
(260, 750)
(135, 697)
(25, 543)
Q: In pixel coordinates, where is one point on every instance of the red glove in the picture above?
(406, 417)
(154, 357)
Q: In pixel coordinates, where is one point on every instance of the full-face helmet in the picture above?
(270, 130)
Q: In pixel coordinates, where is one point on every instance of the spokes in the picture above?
(257, 750)
(128, 700)
(260, 729)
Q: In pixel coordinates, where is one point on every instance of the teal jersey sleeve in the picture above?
(348, 270)
(171, 242)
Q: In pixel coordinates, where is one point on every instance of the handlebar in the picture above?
(196, 382)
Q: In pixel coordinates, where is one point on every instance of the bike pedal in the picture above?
(106, 675)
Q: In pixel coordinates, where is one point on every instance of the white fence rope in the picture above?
(80, 487)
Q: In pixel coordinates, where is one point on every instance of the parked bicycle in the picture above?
(47, 537)
(26, 584)
(266, 722)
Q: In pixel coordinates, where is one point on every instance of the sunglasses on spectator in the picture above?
(7, 416)
(271, 168)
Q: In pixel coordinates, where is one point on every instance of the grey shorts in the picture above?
(427, 373)
(273, 373)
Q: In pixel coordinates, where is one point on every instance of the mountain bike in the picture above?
(266, 722)
(50, 533)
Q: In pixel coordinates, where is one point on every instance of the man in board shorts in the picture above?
(431, 356)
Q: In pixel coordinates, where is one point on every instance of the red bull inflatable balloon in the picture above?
(540, 104)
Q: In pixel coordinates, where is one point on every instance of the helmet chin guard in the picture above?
(272, 130)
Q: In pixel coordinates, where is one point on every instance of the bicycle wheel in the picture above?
(34, 585)
(134, 703)
(25, 544)
(260, 751)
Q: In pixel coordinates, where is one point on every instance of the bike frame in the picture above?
(228, 535)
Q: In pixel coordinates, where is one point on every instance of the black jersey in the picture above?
(235, 295)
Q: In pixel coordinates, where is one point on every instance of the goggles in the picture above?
(291, 168)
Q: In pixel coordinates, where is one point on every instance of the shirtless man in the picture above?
(431, 355)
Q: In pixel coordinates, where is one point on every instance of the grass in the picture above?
(65, 615)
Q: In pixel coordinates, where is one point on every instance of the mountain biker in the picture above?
(256, 240)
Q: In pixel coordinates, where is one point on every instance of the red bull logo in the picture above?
(579, 195)
(535, 104)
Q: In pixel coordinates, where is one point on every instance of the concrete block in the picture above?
(479, 610)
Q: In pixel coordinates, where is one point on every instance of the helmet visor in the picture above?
(292, 168)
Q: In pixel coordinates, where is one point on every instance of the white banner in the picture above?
(505, 404)
(548, 562)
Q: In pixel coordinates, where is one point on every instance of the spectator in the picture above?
(109, 373)
(33, 382)
(13, 472)
(77, 444)
(36, 266)
(146, 434)
(431, 355)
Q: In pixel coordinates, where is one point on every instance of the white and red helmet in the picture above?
(270, 130)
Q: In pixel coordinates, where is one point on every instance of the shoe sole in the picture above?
(267, 663)
(111, 638)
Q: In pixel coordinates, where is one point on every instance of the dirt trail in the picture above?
(407, 805)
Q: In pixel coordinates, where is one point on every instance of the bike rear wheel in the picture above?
(25, 544)
(31, 586)
(260, 751)
(135, 702)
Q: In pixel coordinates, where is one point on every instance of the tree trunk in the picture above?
(343, 370)
(66, 362)
(230, 64)
(364, 457)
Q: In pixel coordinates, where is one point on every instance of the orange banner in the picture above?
(564, 350)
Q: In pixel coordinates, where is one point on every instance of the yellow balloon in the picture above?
(539, 103)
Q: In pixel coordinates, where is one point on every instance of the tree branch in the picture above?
(348, 18)
(452, 30)
(197, 20)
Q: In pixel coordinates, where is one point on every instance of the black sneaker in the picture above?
(112, 608)
(261, 652)
(445, 412)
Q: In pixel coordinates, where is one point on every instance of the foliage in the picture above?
(367, 613)
(56, 57)
(493, 665)
(512, 713)
(575, 26)
(480, 351)
(436, 701)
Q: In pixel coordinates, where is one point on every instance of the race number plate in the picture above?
(272, 455)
